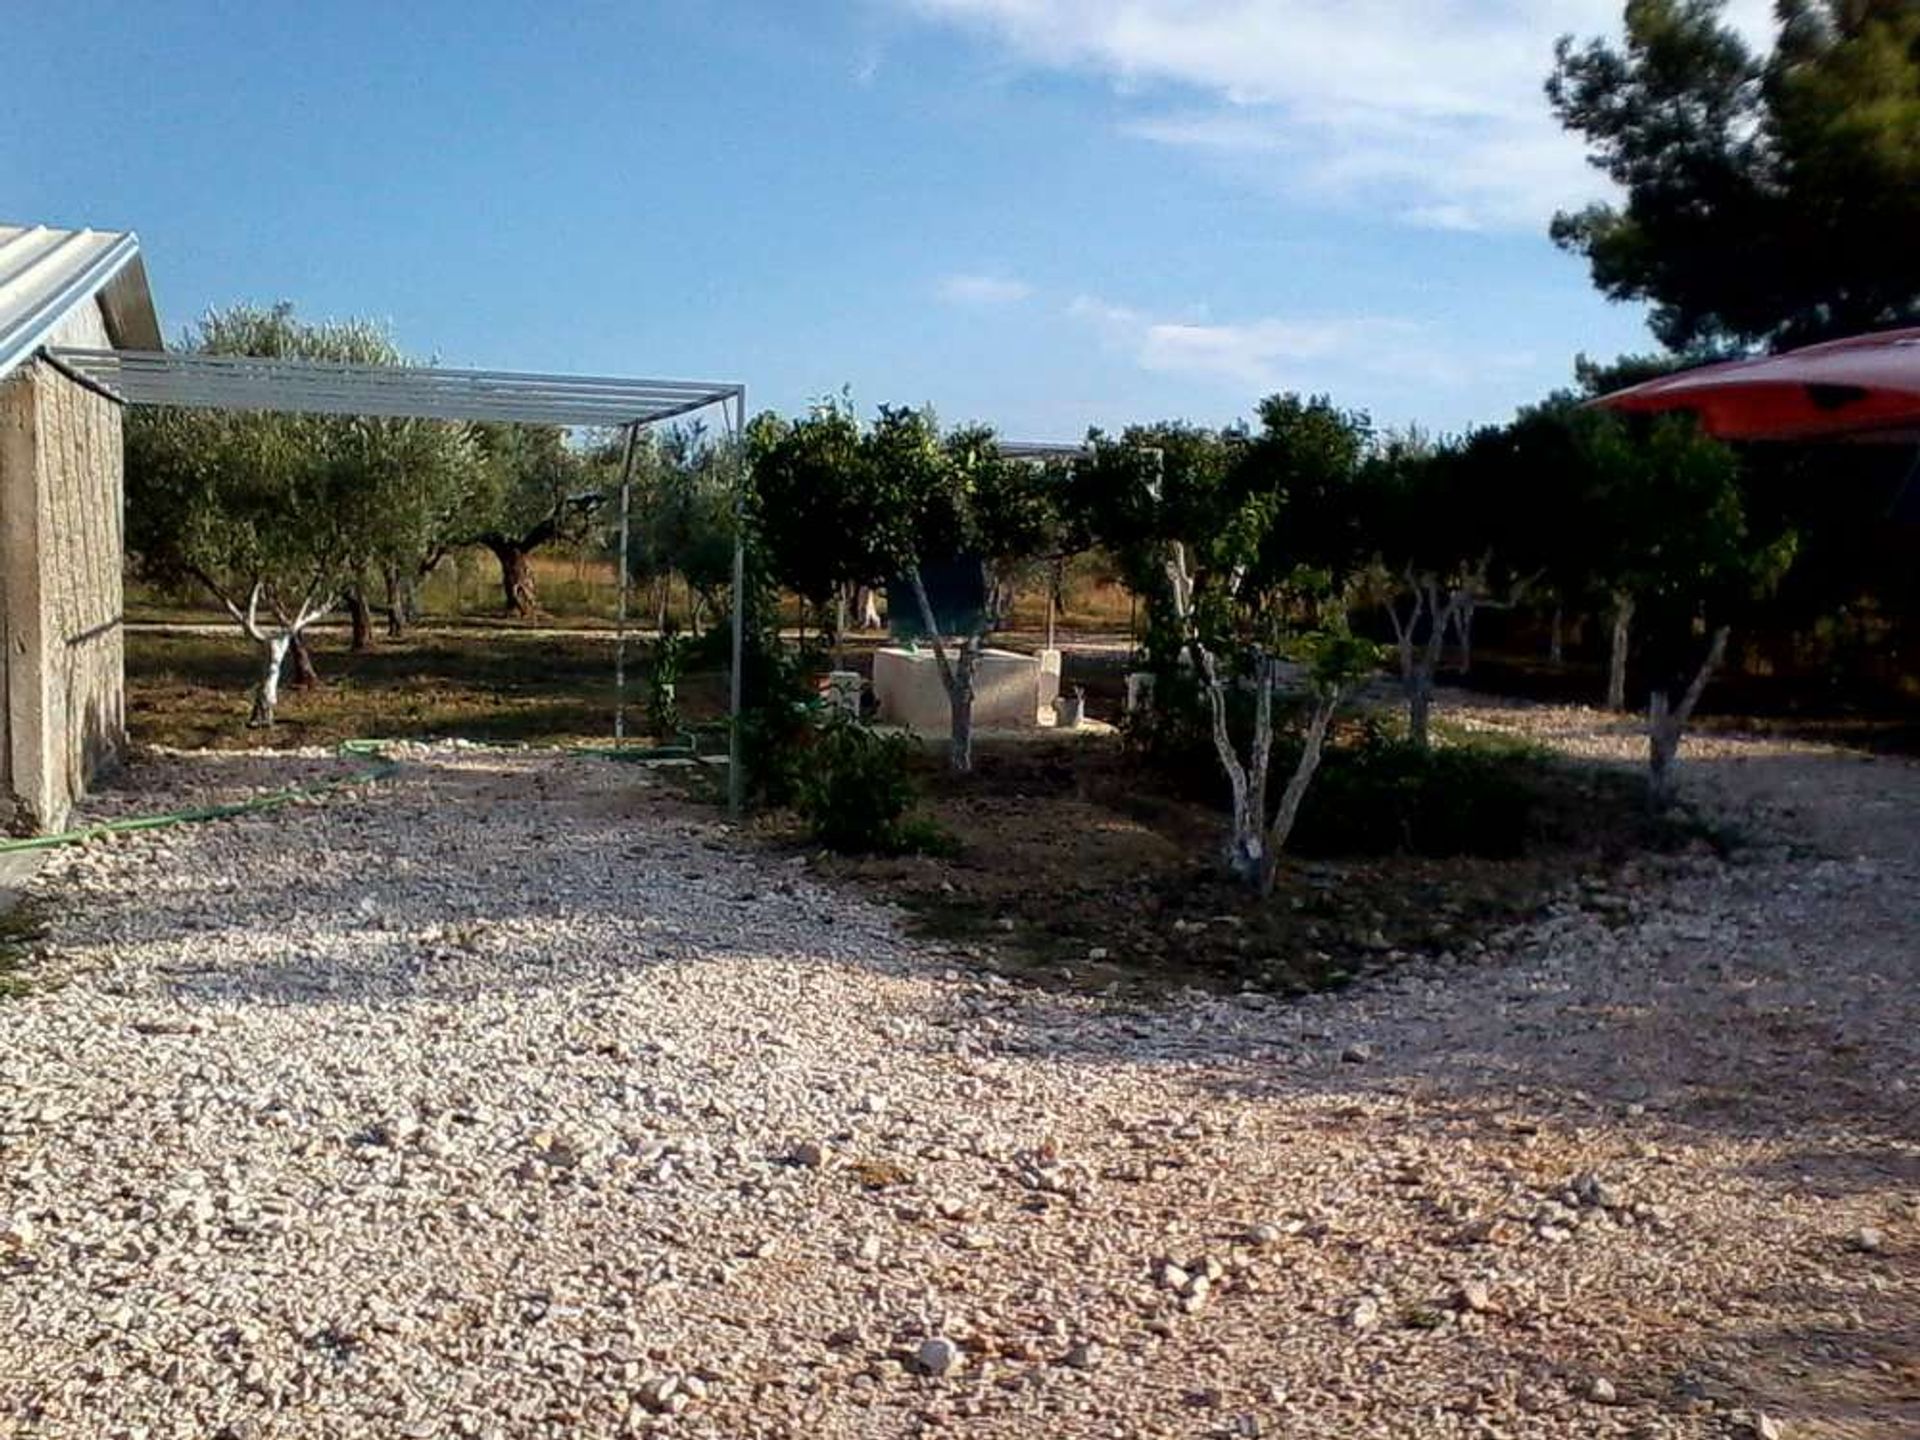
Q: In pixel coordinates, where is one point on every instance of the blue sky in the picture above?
(1043, 214)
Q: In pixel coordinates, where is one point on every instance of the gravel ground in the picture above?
(510, 1098)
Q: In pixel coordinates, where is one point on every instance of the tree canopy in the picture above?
(530, 486)
(277, 514)
(1769, 199)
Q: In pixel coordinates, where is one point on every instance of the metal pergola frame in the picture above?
(318, 387)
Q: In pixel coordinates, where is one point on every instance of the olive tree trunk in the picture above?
(1463, 627)
(275, 644)
(399, 601)
(1617, 651)
(266, 695)
(1420, 655)
(517, 592)
(361, 614)
(1253, 846)
(306, 675)
(956, 675)
(1667, 723)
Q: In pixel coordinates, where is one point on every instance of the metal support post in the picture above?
(736, 774)
(620, 611)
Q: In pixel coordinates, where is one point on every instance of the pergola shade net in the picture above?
(243, 382)
(319, 387)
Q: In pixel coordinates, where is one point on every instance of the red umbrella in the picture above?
(1866, 387)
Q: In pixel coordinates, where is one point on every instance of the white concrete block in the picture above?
(908, 689)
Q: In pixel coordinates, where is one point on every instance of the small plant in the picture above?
(855, 788)
(856, 791)
(666, 660)
(779, 727)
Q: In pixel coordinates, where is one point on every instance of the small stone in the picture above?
(658, 1394)
(1601, 1391)
(869, 1251)
(1590, 1190)
(18, 1235)
(1475, 1296)
(1358, 1054)
(1867, 1240)
(1082, 1356)
(808, 1155)
(1098, 952)
(1174, 1277)
(1262, 1235)
(938, 1356)
(1757, 1425)
(1365, 1314)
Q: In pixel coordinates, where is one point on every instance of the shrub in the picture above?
(1381, 794)
(855, 788)
(1376, 792)
(666, 659)
(856, 791)
(778, 725)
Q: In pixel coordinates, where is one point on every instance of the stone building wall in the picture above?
(61, 549)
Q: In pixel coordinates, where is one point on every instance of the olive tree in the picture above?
(530, 486)
(1678, 537)
(1242, 544)
(956, 499)
(1430, 558)
(683, 520)
(821, 517)
(276, 515)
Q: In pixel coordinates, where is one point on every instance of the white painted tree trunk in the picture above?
(960, 703)
(266, 695)
(1666, 724)
(1556, 653)
(274, 644)
(957, 679)
(1253, 846)
(867, 609)
(1617, 653)
(1313, 746)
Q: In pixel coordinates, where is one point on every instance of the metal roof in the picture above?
(245, 382)
(1043, 449)
(45, 273)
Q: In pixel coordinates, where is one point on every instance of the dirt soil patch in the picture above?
(1075, 869)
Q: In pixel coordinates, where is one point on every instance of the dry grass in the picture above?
(498, 685)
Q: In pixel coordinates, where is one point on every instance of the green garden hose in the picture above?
(273, 800)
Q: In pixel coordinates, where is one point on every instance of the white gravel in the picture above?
(510, 1099)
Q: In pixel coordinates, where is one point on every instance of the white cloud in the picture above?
(1430, 109)
(982, 290)
(1269, 353)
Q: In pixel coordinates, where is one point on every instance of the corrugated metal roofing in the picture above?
(246, 382)
(1042, 449)
(45, 273)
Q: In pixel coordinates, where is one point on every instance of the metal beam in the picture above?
(245, 382)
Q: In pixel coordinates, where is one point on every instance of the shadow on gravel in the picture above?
(510, 878)
(493, 853)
